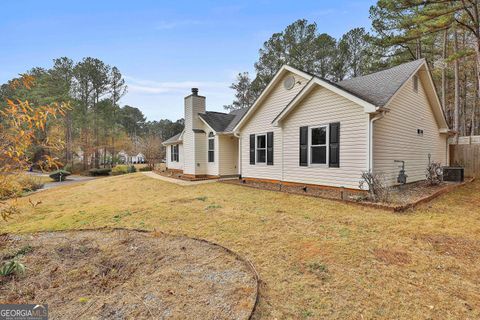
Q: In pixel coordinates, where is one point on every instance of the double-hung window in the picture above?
(261, 148)
(174, 153)
(318, 145)
(211, 147)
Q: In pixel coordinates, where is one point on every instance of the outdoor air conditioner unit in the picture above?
(455, 174)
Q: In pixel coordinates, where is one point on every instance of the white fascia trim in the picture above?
(267, 90)
(437, 100)
(367, 106)
(174, 142)
(207, 124)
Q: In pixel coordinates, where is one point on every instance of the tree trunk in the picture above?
(95, 128)
(444, 69)
(474, 105)
(457, 89)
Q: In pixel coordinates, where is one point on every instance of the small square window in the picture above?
(420, 132)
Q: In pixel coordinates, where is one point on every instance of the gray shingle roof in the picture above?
(238, 116)
(223, 122)
(174, 139)
(218, 121)
(377, 88)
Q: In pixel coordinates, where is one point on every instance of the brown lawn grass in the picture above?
(317, 258)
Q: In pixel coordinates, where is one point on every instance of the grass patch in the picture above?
(421, 264)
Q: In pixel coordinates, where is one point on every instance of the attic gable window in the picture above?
(211, 147)
(415, 83)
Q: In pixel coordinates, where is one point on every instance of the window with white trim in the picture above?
(261, 148)
(211, 147)
(318, 145)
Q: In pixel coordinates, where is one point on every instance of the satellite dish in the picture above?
(289, 82)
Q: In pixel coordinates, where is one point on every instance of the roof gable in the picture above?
(378, 88)
(174, 140)
(278, 76)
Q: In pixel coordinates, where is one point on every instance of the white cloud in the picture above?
(154, 87)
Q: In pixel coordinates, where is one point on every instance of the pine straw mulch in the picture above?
(126, 274)
(401, 197)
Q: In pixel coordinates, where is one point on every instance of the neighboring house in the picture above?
(126, 158)
(309, 130)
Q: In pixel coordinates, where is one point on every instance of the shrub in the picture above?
(59, 175)
(14, 185)
(434, 174)
(100, 172)
(28, 182)
(377, 187)
(119, 169)
(147, 168)
(11, 267)
(9, 188)
(75, 168)
(123, 169)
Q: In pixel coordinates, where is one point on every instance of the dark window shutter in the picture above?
(252, 149)
(270, 148)
(334, 145)
(171, 153)
(303, 146)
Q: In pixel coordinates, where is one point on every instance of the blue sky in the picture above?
(163, 48)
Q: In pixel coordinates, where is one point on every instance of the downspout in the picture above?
(370, 138)
(237, 134)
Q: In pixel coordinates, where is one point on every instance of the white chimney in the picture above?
(194, 104)
(194, 162)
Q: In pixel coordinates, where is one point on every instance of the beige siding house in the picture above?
(307, 130)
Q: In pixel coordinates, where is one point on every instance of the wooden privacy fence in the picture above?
(466, 154)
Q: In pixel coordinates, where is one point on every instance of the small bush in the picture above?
(14, 185)
(59, 175)
(434, 175)
(9, 188)
(123, 169)
(100, 172)
(75, 168)
(11, 267)
(119, 169)
(377, 186)
(147, 168)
